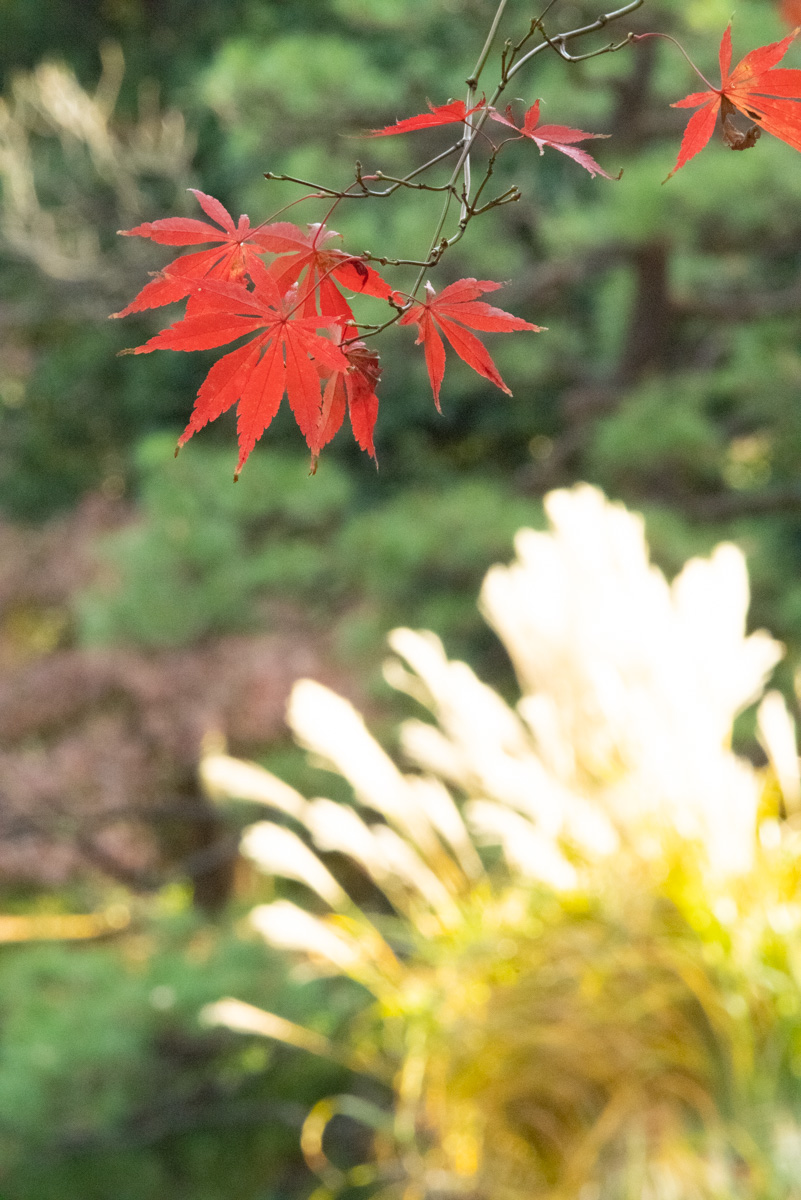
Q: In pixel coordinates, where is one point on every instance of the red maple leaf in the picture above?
(238, 246)
(310, 262)
(560, 137)
(452, 113)
(459, 302)
(277, 361)
(766, 96)
(352, 388)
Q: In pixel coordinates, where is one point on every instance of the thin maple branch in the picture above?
(563, 38)
(474, 128)
(511, 50)
(472, 87)
(488, 175)
(366, 256)
(574, 58)
(471, 210)
(366, 331)
(475, 75)
(422, 187)
(511, 195)
(545, 12)
(419, 170)
(510, 65)
(348, 194)
(467, 175)
(320, 187)
(438, 245)
(330, 212)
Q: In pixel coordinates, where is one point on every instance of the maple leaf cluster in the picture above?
(303, 339)
(231, 292)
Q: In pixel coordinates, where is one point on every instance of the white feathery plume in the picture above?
(525, 849)
(289, 927)
(279, 851)
(225, 778)
(331, 729)
(777, 733)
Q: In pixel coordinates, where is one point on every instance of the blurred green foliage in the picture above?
(110, 1085)
(204, 551)
(206, 557)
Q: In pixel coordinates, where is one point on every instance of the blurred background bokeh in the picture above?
(151, 611)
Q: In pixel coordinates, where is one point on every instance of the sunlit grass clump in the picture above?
(582, 954)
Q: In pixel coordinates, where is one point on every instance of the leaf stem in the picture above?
(309, 196)
(639, 37)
